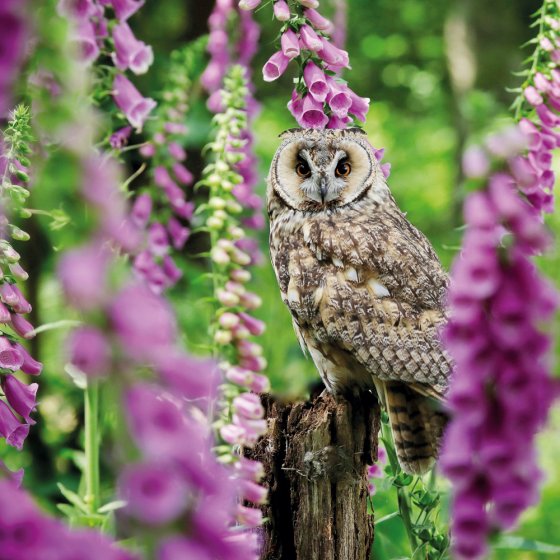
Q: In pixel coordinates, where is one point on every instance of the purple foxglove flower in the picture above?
(213, 75)
(130, 101)
(125, 8)
(249, 4)
(5, 316)
(143, 321)
(290, 44)
(83, 35)
(22, 326)
(281, 10)
(175, 128)
(541, 83)
(317, 20)
(78, 9)
(249, 406)
(8, 294)
(232, 434)
(217, 42)
(309, 39)
(547, 117)
(89, 351)
(82, 273)
(275, 66)
(359, 107)
(148, 150)
(14, 477)
(546, 44)
(182, 174)
(316, 82)
(532, 96)
(250, 517)
(141, 210)
(475, 162)
(183, 209)
(157, 422)
(193, 378)
(21, 397)
(154, 493)
(215, 103)
(337, 122)
(309, 3)
(255, 327)
(119, 139)
(336, 58)
(29, 365)
(10, 427)
(178, 233)
(18, 272)
(179, 548)
(259, 383)
(312, 114)
(339, 98)
(100, 185)
(253, 492)
(171, 270)
(176, 151)
(158, 241)
(162, 177)
(10, 356)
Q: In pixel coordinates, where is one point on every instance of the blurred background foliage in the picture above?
(437, 73)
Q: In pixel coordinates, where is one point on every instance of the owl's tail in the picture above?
(417, 427)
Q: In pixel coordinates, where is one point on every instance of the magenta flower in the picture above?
(119, 139)
(193, 378)
(179, 548)
(359, 107)
(141, 210)
(20, 397)
(335, 58)
(182, 174)
(290, 44)
(312, 114)
(83, 36)
(318, 21)
(10, 356)
(82, 273)
(129, 51)
(281, 10)
(339, 98)
(309, 39)
(154, 492)
(316, 82)
(130, 101)
(125, 8)
(10, 427)
(142, 320)
(249, 4)
(89, 351)
(275, 66)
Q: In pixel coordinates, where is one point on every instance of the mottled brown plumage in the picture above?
(365, 288)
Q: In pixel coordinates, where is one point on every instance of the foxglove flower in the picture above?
(312, 113)
(275, 66)
(281, 10)
(126, 8)
(129, 100)
(129, 51)
(21, 397)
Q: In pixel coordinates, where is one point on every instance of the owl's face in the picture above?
(314, 170)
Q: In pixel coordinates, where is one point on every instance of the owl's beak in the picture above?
(323, 188)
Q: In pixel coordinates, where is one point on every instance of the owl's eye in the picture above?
(343, 168)
(302, 169)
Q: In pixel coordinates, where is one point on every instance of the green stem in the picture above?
(405, 509)
(91, 397)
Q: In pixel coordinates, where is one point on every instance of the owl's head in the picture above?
(314, 170)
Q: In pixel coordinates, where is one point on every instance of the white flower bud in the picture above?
(217, 203)
(219, 256)
(214, 223)
(222, 337)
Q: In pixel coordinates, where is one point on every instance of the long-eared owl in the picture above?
(365, 288)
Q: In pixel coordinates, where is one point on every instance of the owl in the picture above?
(365, 288)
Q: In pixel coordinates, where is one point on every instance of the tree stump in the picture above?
(315, 456)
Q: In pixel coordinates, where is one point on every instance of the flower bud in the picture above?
(222, 337)
(227, 298)
(229, 320)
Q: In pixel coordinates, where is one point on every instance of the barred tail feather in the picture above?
(417, 427)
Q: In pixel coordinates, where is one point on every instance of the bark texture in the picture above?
(315, 456)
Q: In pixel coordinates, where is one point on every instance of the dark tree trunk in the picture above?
(315, 456)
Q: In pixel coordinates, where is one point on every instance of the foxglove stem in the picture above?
(92, 442)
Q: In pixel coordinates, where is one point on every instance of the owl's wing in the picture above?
(383, 296)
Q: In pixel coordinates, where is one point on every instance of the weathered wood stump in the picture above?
(315, 456)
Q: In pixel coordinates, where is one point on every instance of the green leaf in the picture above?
(73, 498)
(112, 506)
(513, 542)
